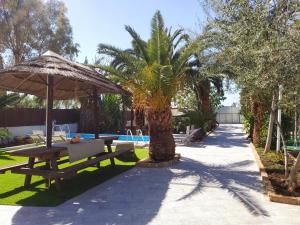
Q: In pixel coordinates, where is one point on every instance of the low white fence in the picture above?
(27, 130)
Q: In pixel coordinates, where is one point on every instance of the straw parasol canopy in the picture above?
(70, 80)
(52, 77)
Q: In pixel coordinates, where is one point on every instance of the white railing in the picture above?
(63, 127)
(129, 133)
(139, 132)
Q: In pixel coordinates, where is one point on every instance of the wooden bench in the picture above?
(50, 170)
(5, 169)
(10, 167)
(66, 172)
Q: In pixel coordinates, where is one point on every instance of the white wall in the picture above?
(27, 130)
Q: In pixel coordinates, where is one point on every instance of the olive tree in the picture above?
(257, 45)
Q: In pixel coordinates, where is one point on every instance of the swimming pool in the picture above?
(120, 137)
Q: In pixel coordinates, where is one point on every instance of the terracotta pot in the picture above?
(19, 139)
(28, 140)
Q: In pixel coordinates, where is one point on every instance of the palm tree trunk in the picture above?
(202, 92)
(162, 145)
(87, 118)
(205, 100)
(139, 118)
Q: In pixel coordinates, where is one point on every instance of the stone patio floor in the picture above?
(216, 182)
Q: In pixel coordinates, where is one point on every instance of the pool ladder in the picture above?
(129, 133)
(139, 134)
(143, 141)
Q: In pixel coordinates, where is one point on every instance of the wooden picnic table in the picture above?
(50, 156)
(108, 140)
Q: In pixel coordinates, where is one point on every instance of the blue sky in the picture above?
(99, 21)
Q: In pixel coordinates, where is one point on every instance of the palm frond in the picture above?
(184, 55)
(152, 70)
(157, 45)
(141, 45)
(122, 59)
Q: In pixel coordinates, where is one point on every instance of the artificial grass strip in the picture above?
(12, 191)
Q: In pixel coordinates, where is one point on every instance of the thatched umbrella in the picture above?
(52, 77)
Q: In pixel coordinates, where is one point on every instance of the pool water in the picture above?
(120, 137)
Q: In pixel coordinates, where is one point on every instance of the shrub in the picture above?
(248, 119)
(4, 136)
(111, 106)
(180, 123)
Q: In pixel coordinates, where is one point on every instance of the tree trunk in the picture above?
(292, 180)
(124, 117)
(198, 99)
(17, 57)
(202, 92)
(284, 149)
(18, 45)
(271, 125)
(292, 177)
(258, 114)
(1, 63)
(131, 118)
(258, 123)
(87, 118)
(139, 118)
(162, 145)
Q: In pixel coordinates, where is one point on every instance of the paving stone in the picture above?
(217, 182)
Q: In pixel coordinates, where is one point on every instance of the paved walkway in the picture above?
(217, 182)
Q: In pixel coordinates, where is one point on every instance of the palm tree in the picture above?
(153, 71)
(205, 74)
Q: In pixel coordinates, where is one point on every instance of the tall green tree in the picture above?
(153, 71)
(30, 27)
(257, 44)
(253, 45)
(206, 82)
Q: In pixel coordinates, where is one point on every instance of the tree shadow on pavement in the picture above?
(136, 197)
(231, 177)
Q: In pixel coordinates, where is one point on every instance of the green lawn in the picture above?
(12, 191)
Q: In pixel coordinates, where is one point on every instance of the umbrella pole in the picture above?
(49, 111)
(96, 112)
(131, 118)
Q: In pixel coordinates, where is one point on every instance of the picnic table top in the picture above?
(42, 151)
(37, 151)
